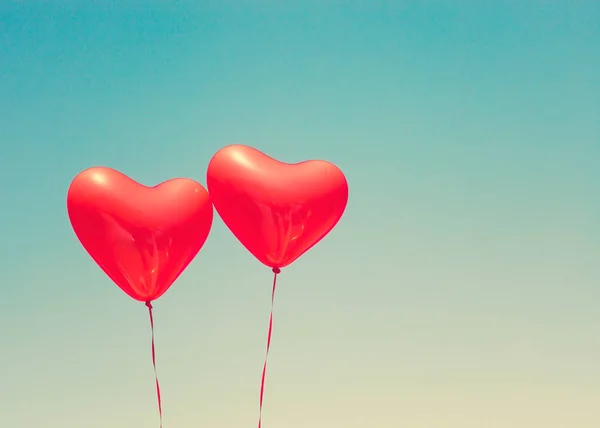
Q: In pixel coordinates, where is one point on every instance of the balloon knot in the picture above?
(149, 304)
(276, 270)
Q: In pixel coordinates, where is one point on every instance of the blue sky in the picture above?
(459, 290)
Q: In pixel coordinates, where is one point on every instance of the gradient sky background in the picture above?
(460, 290)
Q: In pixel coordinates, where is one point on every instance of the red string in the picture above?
(264, 371)
(149, 305)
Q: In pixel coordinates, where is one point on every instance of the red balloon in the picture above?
(277, 211)
(141, 237)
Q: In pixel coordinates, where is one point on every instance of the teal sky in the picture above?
(461, 288)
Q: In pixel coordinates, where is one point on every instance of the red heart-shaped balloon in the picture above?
(277, 211)
(141, 237)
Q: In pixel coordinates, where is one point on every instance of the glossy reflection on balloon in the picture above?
(278, 211)
(141, 237)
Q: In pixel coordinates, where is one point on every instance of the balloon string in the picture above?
(149, 305)
(264, 371)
